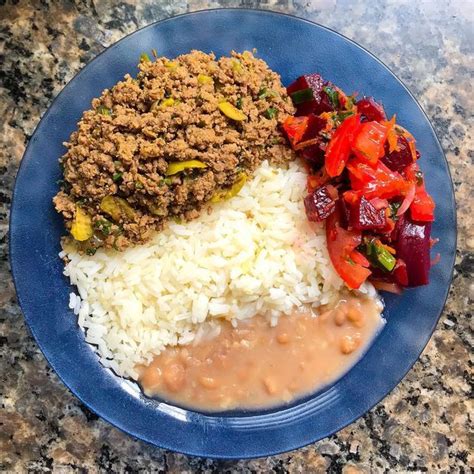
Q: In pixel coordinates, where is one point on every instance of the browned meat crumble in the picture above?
(172, 112)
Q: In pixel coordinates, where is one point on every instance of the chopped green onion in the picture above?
(103, 226)
(301, 96)
(379, 255)
(239, 102)
(91, 251)
(144, 58)
(270, 112)
(116, 176)
(385, 258)
(103, 110)
(333, 96)
(138, 185)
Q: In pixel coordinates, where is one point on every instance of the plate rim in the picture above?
(259, 11)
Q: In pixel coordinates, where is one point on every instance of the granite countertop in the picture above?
(423, 425)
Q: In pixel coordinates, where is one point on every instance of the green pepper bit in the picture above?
(270, 112)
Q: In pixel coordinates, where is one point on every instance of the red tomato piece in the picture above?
(369, 143)
(423, 206)
(295, 128)
(340, 146)
(378, 182)
(341, 247)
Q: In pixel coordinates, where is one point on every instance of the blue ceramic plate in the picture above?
(291, 47)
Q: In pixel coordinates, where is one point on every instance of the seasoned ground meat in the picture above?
(219, 119)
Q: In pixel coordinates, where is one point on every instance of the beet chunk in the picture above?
(370, 109)
(321, 203)
(413, 247)
(320, 102)
(314, 153)
(398, 160)
(364, 216)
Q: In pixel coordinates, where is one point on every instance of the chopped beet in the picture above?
(400, 273)
(413, 247)
(371, 109)
(315, 126)
(320, 102)
(398, 160)
(345, 213)
(320, 204)
(314, 154)
(364, 216)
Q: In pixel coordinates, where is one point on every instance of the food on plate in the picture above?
(254, 365)
(255, 256)
(161, 145)
(365, 183)
(226, 234)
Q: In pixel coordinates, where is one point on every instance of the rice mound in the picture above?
(255, 253)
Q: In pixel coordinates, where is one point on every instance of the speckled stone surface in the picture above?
(424, 424)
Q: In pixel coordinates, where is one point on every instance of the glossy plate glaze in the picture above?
(292, 47)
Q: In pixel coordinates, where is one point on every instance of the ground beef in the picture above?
(170, 113)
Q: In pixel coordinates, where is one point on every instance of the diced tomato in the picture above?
(378, 182)
(369, 142)
(295, 128)
(357, 257)
(340, 146)
(422, 208)
(341, 247)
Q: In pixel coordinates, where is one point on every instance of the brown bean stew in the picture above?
(255, 365)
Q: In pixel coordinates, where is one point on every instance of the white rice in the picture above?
(255, 253)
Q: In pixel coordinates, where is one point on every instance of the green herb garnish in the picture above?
(239, 103)
(116, 176)
(270, 112)
(91, 251)
(103, 225)
(138, 185)
(103, 110)
(333, 96)
(144, 58)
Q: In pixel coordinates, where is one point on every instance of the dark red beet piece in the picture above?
(364, 216)
(345, 213)
(314, 153)
(398, 160)
(321, 203)
(315, 126)
(400, 273)
(320, 103)
(413, 247)
(370, 109)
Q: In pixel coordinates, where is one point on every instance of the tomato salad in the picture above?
(365, 183)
